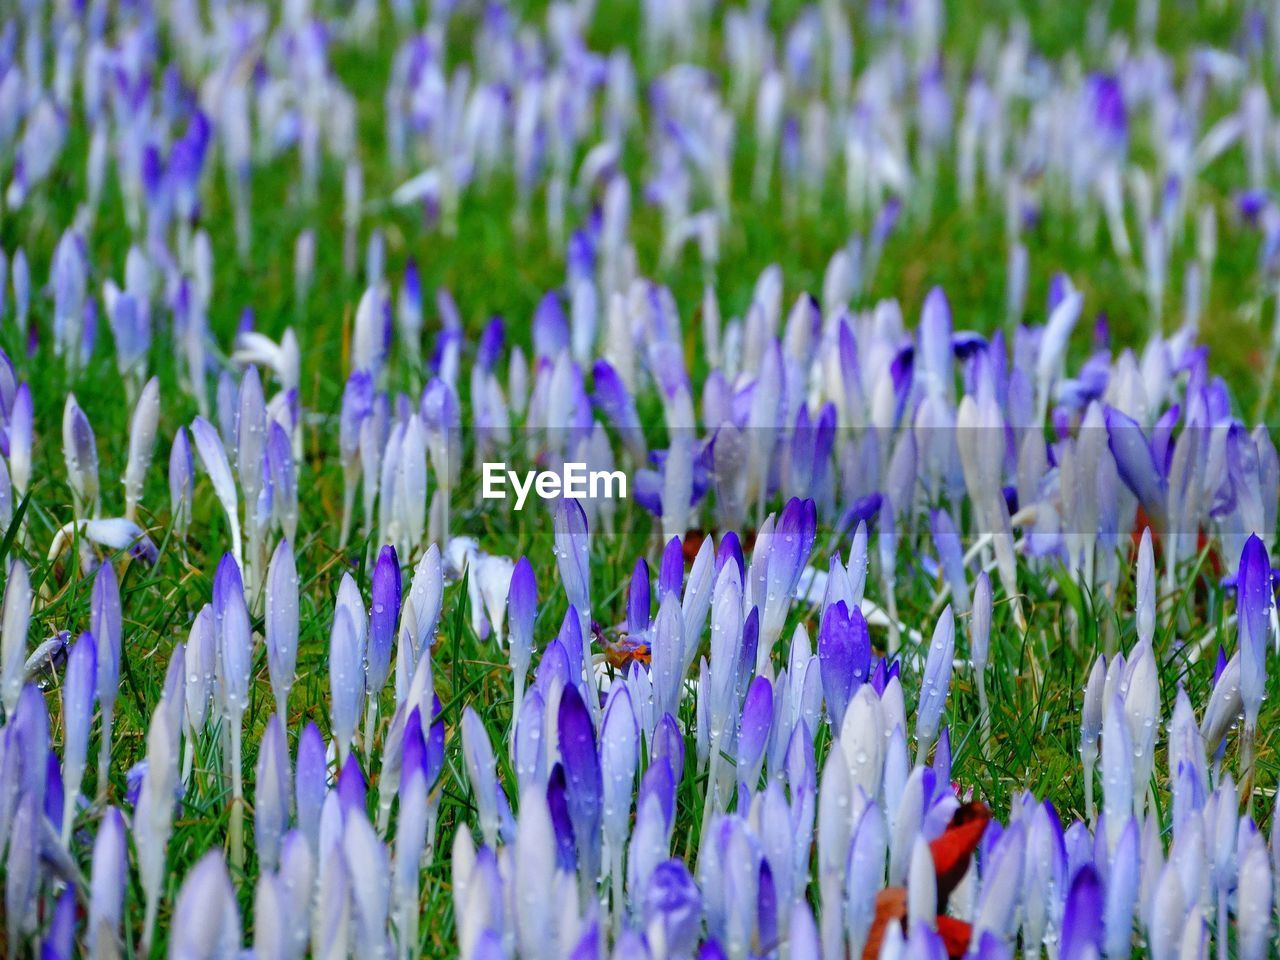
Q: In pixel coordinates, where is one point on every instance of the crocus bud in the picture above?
(862, 740)
(1146, 608)
(844, 654)
(478, 754)
(105, 625)
(1136, 465)
(753, 731)
(789, 548)
(271, 793)
(1225, 705)
(672, 909)
(1168, 912)
(13, 634)
(1001, 884)
(864, 874)
(1117, 770)
(522, 610)
(936, 682)
(667, 651)
(273, 919)
(283, 474)
(922, 884)
(311, 782)
(107, 882)
(214, 457)
(1253, 586)
(235, 645)
(530, 756)
(346, 679)
(142, 441)
(1082, 931)
(282, 624)
(153, 815)
(980, 636)
(583, 788)
(21, 440)
(206, 919)
(412, 825)
(181, 480)
(384, 613)
(80, 451)
(1253, 910)
(79, 691)
(366, 858)
(534, 869)
(619, 753)
(201, 660)
(22, 865)
(573, 555)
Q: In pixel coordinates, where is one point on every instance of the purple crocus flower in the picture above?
(788, 552)
(534, 869)
(522, 610)
(142, 440)
(311, 782)
(844, 653)
(1255, 593)
(282, 624)
(108, 880)
(153, 814)
(271, 793)
(206, 919)
(80, 450)
(583, 784)
(181, 480)
(13, 635)
(282, 480)
(1121, 892)
(477, 752)
(352, 789)
(346, 679)
(21, 440)
(672, 908)
(384, 613)
(936, 681)
(573, 553)
(22, 866)
(105, 625)
(79, 692)
(616, 402)
(1136, 465)
(753, 731)
(214, 457)
(619, 754)
(413, 823)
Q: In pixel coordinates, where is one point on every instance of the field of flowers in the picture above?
(936, 343)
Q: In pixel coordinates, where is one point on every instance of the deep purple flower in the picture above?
(844, 652)
(583, 784)
(384, 614)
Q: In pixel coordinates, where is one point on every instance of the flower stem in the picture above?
(237, 800)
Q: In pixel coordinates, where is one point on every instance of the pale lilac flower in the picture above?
(142, 439)
(107, 883)
(271, 793)
(79, 694)
(181, 481)
(282, 624)
(14, 627)
(206, 919)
